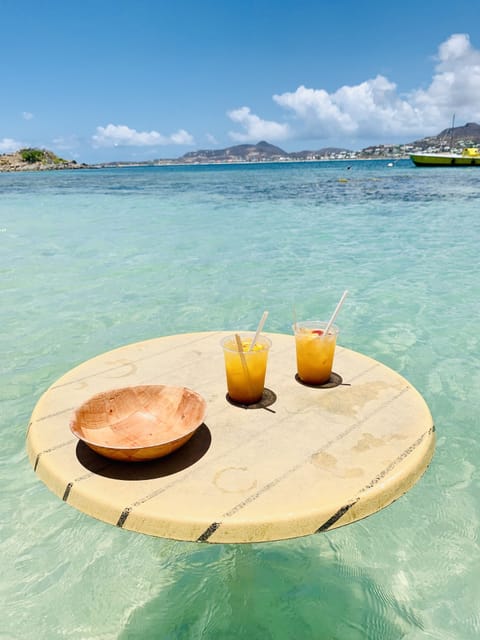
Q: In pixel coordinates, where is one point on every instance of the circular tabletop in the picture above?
(302, 461)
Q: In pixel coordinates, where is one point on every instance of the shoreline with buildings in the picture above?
(452, 140)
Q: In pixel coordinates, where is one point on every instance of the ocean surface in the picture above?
(94, 259)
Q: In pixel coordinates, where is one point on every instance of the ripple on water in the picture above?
(93, 260)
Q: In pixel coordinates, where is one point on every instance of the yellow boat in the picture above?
(470, 157)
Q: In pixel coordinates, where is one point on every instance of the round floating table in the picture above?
(302, 461)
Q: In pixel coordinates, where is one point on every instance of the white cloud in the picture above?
(211, 138)
(66, 143)
(370, 108)
(8, 145)
(26, 115)
(455, 87)
(455, 48)
(180, 137)
(256, 128)
(120, 135)
(375, 107)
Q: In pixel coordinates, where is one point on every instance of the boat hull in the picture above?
(469, 158)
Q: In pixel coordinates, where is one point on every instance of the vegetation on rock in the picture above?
(33, 159)
(32, 155)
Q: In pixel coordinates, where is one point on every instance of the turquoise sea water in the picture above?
(91, 260)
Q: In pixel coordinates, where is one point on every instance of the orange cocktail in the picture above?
(245, 369)
(315, 351)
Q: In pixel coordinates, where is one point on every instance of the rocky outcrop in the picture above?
(36, 160)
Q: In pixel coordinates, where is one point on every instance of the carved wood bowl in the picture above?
(139, 423)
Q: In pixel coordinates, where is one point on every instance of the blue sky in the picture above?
(101, 80)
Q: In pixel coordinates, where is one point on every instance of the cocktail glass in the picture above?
(245, 369)
(315, 350)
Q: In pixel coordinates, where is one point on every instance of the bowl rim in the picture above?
(93, 443)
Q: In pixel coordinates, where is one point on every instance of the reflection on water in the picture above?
(274, 592)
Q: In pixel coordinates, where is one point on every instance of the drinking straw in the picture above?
(334, 314)
(259, 328)
(240, 351)
(244, 363)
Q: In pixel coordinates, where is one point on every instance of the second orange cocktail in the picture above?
(315, 351)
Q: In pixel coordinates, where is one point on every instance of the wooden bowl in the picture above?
(139, 423)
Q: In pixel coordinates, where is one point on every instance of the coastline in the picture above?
(13, 163)
(33, 159)
(126, 165)
(37, 167)
(156, 163)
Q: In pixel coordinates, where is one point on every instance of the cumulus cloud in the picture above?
(122, 136)
(375, 107)
(371, 107)
(26, 115)
(8, 145)
(180, 137)
(255, 128)
(211, 138)
(455, 87)
(456, 47)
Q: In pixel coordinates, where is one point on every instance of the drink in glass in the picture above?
(315, 350)
(245, 369)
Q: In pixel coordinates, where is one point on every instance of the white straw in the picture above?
(294, 319)
(244, 364)
(242, 355)
(334, 314)
(259, 328)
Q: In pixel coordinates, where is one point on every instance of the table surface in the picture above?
(305, 461)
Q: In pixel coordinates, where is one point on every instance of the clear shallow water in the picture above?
(91, 260)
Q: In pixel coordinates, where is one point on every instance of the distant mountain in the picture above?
(466, 135)
(471, 130)
(260, 152)
(243, 152)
